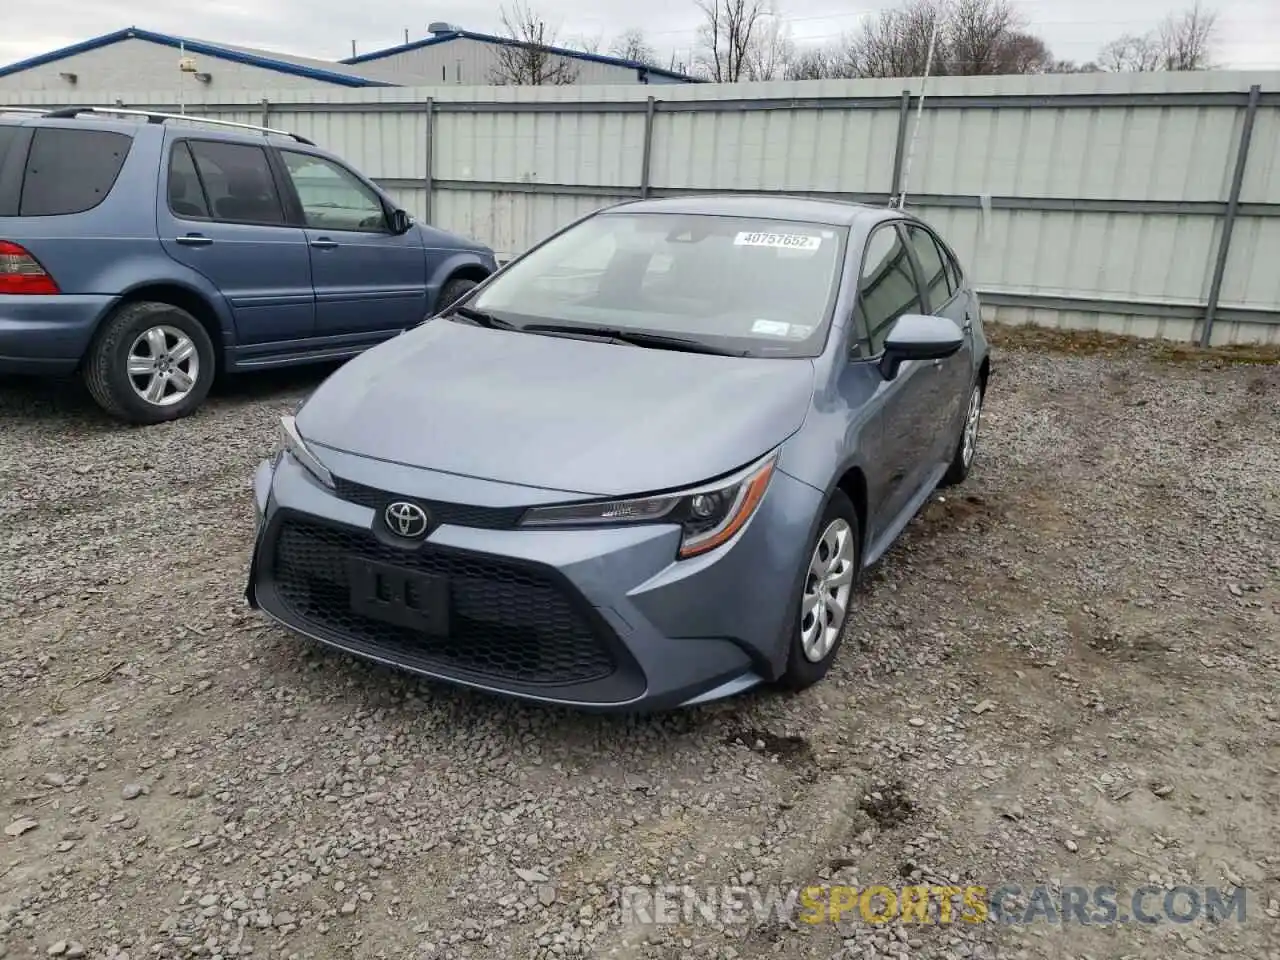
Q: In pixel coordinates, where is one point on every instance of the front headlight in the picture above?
(294, 446)
(709, 515)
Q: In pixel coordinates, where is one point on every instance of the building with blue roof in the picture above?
(137, 61)
(454, 55)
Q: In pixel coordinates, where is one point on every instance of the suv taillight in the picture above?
(20, 272)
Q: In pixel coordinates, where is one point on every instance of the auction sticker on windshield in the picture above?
(785, 241)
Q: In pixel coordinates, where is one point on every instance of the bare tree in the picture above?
(1070, 66)
(1130, 53)
(1185, 40)
(1019, 52)
(896, 42)
(725, 38)
(770, 50)
(978, 35)
(587, 44)
(632, 45)
(819, 63)
(524, 58)
(1181, 42)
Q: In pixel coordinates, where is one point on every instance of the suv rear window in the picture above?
(71, 171)
(8, 137)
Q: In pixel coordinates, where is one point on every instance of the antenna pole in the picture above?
(915, 133)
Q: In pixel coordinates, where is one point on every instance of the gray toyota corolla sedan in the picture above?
(639, 467)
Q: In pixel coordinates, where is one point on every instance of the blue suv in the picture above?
(151, 256)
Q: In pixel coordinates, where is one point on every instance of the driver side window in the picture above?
(332, 198)
(887, 288)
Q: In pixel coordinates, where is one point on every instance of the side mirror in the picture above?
(915, 336)
(401, 222)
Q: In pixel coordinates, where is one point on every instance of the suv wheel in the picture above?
(453, 291)
(150, 362)
(826, 595)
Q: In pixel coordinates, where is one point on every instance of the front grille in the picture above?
(458, 514)
(508, 621)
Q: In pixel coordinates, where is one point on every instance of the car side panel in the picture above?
(95, 257)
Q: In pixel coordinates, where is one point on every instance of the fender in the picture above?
(135, 273)
(450, 265)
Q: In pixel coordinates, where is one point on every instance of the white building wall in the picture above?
(472, 62)
(142, 65)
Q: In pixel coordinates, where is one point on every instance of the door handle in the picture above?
(968, 323)
(194, 240)
(324, 243)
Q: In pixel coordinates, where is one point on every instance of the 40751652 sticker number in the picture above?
(785, 241)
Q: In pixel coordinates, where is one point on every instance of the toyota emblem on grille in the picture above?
(407, 519)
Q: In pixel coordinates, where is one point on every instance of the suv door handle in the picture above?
(324, 243)
(194, 240)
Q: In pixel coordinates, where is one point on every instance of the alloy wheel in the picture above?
(163, 365)
(828, 585)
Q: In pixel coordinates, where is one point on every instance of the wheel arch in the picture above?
(184, 297)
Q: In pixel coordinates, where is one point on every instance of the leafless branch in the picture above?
(525, 59)
(728, 30)
(632, 45)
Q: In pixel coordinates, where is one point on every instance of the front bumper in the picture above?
(602, 619)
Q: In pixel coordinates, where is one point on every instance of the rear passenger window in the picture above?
(237, 182)
(13, 157)
(71, 171)
(887, 288)
(8, 137)
(954, 276)
(186, 196)
(934, 278)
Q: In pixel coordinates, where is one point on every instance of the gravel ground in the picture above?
(1067, 670)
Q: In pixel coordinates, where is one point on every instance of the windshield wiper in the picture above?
(637, 338)
(482, 319)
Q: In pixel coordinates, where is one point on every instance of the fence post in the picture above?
(904, 111)
(648, 149)
(1229, 221)
(431, 122)
(266, 112)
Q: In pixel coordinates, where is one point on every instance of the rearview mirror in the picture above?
(915, 336)
(401, 222)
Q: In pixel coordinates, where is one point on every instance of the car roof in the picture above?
(831, 212)
(134, 126)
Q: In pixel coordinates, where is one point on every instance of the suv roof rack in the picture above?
(67, 113)
(31, 110)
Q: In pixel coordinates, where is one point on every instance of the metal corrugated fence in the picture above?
(1144, 203)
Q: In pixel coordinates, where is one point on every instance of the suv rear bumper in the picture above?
(48, 334)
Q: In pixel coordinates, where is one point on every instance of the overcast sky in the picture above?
(1248, 30)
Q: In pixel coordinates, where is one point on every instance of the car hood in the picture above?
(583, 417)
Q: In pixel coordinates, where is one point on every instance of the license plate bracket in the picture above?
(399, 596)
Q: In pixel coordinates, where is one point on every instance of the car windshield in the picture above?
(740, 285)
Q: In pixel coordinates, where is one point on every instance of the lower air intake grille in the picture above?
(508, 621)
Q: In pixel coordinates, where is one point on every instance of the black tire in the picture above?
(106, 365)
(801, 671)
(962, 461)
(453, 291)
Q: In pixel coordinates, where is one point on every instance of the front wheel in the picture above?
(453, 291)
(967, 445)
(150, 362)
(826, 595)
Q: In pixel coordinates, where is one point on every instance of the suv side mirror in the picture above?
(401, 222)
(915, 336)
